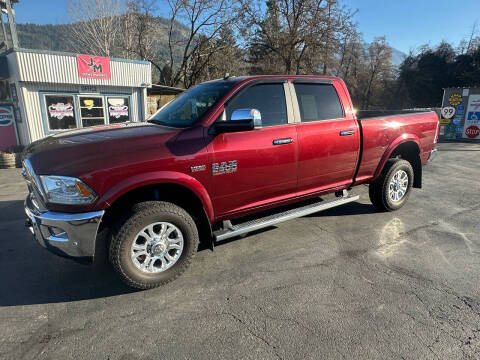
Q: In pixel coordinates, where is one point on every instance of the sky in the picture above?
(407, 24)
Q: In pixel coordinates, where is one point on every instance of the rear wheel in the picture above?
(392, 188)
(154, 245)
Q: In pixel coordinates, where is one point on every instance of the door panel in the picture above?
(328, 143)
(263, 171)
(325, 158)
(265, 159)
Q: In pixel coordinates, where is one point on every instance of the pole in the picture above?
(4, 31)
(11, 22)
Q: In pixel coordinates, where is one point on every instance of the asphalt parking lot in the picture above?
(348, 283)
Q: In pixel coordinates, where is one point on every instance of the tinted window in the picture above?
(318, 102)
(269, 99)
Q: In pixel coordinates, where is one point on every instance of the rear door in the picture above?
(250, 168)
(328, 140)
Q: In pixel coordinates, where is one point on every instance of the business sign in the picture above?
(93, 67)
(455, 99)
(8, 135)
(471, 128)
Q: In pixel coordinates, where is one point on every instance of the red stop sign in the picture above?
(472, 131)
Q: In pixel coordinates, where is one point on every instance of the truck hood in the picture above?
(74, 153)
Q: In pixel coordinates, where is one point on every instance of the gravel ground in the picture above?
(348, 283)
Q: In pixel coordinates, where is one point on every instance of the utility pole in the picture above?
(11, 22)
(4, 30)
(6, 7)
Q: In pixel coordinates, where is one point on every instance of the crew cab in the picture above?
(208, 165)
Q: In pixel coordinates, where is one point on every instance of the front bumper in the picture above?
(72, 235)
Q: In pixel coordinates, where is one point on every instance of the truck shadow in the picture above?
(29, 274)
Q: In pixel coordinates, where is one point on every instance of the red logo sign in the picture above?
(93, 67)
(472, 131)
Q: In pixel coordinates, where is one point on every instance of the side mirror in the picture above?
(248, 114)
(241, 120)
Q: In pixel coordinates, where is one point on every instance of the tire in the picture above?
(162, 215)
(379, 191)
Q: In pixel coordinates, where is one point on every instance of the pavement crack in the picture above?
(253, 333)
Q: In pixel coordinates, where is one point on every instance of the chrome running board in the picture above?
(249, 226)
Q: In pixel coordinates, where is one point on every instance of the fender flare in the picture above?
(158, 177)
(404, 138)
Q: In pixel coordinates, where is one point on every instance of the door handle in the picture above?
(347, 132)
(282, 141)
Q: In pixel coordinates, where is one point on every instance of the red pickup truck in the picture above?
(225, 149)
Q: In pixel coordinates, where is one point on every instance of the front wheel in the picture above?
(155, 244)
(392, 188)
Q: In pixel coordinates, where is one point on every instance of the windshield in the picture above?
(189, 107)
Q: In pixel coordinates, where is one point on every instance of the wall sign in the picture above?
(93, 67)
(8, 133)
(472, 120)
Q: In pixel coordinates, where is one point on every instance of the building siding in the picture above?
(62, 69)
(34, 128)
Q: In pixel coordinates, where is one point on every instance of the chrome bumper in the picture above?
(72, 235)
(432, 155)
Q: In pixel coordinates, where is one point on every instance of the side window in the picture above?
(318, 102)
(118, 109)
(269, 99)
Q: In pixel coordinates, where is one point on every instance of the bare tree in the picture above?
(96, 25)
(140, 30)
(204, 20)
(302, 34)
(378, 67)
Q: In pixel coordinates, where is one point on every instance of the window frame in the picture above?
(107, 115)
(318, 82)
(286, 93)
(44, 110)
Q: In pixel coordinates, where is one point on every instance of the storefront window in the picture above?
(63, 109)
(91, 110)
(118, 109)
(60, 112)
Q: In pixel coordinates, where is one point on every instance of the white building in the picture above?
(50, 92)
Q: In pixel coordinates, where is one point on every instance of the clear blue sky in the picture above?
(406, 23)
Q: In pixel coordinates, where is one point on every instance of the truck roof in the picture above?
(239, 79)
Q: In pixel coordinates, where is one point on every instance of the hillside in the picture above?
(43, 37)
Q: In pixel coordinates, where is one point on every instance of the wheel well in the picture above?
(411, 152)
(176, 194)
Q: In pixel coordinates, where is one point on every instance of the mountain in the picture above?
(43, 37)
(397, 57)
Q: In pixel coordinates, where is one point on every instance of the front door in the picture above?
(328, 141)
(251, 168)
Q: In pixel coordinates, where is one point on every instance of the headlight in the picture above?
(67, 190)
